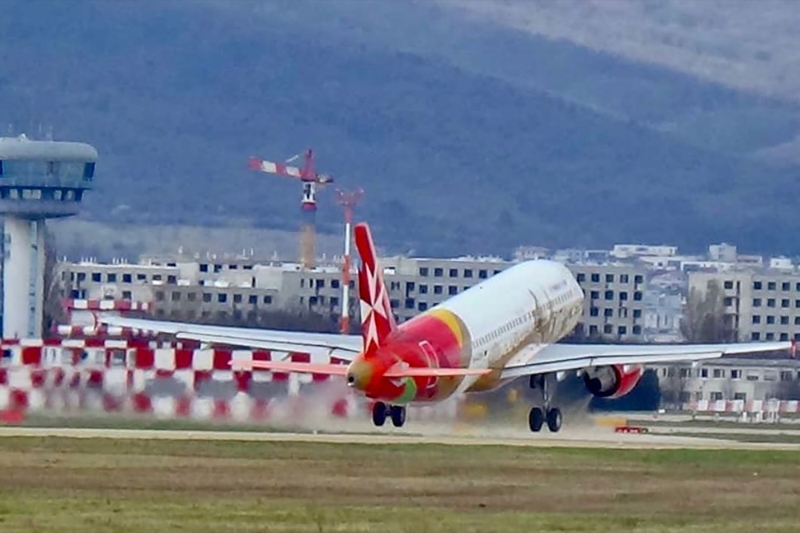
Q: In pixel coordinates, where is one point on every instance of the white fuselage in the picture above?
(533, 302)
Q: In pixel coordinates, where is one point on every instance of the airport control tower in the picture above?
(38, 180)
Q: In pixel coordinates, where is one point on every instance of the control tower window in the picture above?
(31, 194)
(88, 171)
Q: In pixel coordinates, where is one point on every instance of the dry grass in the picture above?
(65, 485)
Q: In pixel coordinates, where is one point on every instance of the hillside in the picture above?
(746, 45)
(467, 137)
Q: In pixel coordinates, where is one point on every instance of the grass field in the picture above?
(72, 485)
(38, 420)
(773, 438)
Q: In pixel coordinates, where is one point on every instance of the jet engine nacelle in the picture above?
(612, 381)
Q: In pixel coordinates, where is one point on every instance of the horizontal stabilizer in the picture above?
(288, 366)
(435, 372)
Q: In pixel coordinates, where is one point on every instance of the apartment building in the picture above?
(759, 305)
(179, 291)
(730, 379)
(188, 290)
(614, 300)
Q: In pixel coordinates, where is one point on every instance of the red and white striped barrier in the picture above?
(83, 318)
(121, 376)
(66, 330)
(71, 343)
(106, 305)
(141, 355)
(130, 392)
(742, 406)
(135, 391)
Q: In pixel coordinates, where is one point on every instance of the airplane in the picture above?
(504, 328)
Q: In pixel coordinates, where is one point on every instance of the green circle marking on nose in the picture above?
(409, 391)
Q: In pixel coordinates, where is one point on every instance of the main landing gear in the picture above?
(381, 411)
(545, 414)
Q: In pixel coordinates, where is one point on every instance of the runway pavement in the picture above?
(582, 438)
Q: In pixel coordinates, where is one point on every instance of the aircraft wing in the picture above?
(564, 357)
(344, 347)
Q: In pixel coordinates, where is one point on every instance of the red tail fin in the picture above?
(377, 319)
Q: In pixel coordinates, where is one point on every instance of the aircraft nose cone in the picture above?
(359, 375)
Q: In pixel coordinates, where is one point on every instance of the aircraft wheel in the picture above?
(398, 415)
(554, 419)
(379, 410)
(536, 419)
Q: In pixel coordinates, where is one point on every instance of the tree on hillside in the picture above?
(704, 318)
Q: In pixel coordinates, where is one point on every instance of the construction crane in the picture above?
(308, 202)
(348, 200)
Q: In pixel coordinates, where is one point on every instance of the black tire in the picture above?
(554, 419)
(398, 415)
(536, 419)
(379, 413)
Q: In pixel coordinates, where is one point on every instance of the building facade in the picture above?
(613, 306)
(758, 305)
(240, 288)
(730, 379)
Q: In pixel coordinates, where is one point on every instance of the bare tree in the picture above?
(674, 386)
(789, 390)
(704, 316)
(296, 319)
(53, 312)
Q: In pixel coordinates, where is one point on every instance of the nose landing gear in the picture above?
(538, 416)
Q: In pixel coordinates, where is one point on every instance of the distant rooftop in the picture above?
(22, 147)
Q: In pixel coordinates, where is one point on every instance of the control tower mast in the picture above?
(38, 180)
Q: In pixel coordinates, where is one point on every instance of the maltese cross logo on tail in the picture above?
(377, 319)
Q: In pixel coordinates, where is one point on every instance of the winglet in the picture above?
(377, 319)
